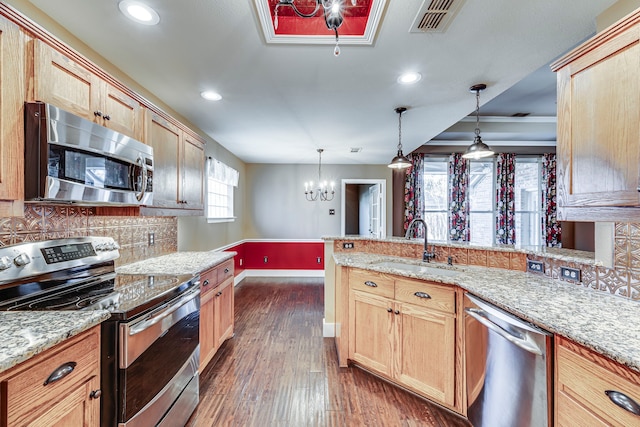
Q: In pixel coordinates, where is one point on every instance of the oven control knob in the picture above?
(5, 262)
(22, 259)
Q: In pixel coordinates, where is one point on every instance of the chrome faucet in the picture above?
(426, 255)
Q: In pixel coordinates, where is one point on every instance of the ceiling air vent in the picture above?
(435, 16)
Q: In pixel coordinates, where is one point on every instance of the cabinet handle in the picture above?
(95, 394)
(389, 310)
(623, 401)
(226, 270)
(205, 283)
(61, 372)
(371, 284)
(218, 294)
(423, 295)
(107, 117)
(97, 113)
(397, 311)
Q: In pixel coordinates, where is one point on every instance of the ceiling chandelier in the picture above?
(400, 161)
(478, 149)
(332, 12)
(322, 191)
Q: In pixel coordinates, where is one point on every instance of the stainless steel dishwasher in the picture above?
(508, 367)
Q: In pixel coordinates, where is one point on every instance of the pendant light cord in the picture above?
(477, 113)
(400, 130)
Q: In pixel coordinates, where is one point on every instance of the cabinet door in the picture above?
(207, 329)
(192, 194)
(599, 125)
(120, 112)
(77, 408)
(12, 89)
(371, 331)
(64, 83)
(425, 357)
(164, 137)
(224, 312)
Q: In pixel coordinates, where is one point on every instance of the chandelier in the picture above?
(322, 191)
(332, 10)
(478, 149)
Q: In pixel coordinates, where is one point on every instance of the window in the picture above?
(221, 180)
(482, 204)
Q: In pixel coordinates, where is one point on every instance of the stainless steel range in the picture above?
(150, 344)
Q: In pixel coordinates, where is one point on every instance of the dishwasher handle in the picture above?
(524, 344)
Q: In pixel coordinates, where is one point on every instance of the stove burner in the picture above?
(54, 302)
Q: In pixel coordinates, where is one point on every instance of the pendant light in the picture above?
(478, 149)
(400, 161)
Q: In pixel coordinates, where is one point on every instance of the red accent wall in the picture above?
(280, 256)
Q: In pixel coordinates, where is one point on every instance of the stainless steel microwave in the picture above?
(71, 159)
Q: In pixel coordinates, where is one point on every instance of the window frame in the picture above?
(211, 185)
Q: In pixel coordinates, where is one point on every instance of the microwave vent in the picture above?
(435, 16)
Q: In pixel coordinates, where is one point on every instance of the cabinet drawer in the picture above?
(225, 270)
(585, 377)
(372, 282)
(208, 281)
(426, 295)
(26, 389)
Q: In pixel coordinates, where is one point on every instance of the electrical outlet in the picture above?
(535, 266)
(567, 273)
(241, 260)
(152, 239)
(266, 259)
(347, 245)
(319, 260)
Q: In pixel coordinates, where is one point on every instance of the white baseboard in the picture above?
(328, 329)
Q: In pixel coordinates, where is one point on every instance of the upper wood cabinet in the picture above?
(178, 170)
(598, 146)
(66, 84)
(12, 89)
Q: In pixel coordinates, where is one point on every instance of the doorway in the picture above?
(363, 208)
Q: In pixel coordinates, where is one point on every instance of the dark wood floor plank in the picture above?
(278, 370)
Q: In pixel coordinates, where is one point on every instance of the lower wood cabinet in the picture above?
(27, 398)
(216, 310)
(588, 386)
(405, 330)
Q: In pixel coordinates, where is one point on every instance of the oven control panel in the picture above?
(67, 252)
(31, 259)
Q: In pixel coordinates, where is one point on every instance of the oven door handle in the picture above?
(166, 312)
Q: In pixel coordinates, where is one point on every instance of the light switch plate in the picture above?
(152, 239)
(535, 266)
(347, 245)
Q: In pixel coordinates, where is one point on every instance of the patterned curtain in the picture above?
(458, 201)
(413, 192)
(550, 226)
(505, 199)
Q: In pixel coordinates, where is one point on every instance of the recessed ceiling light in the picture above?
(210, 95)
(409, 78)
(139, 12)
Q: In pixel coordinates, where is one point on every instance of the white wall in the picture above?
(276, 205)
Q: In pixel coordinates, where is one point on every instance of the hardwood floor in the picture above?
(278, 370)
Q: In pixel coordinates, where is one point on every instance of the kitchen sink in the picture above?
(414, 268)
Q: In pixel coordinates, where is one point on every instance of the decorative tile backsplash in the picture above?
(44, 222)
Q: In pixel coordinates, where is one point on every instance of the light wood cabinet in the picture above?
(587, 385)
(12, 88)
(405, 330)
(27, 398)
(598, 155)
(216, 310)
(178, 175)
(66, 84)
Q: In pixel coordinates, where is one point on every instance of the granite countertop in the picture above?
(602, 322)
(24, 334)
(568, 255)
(177, 263)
